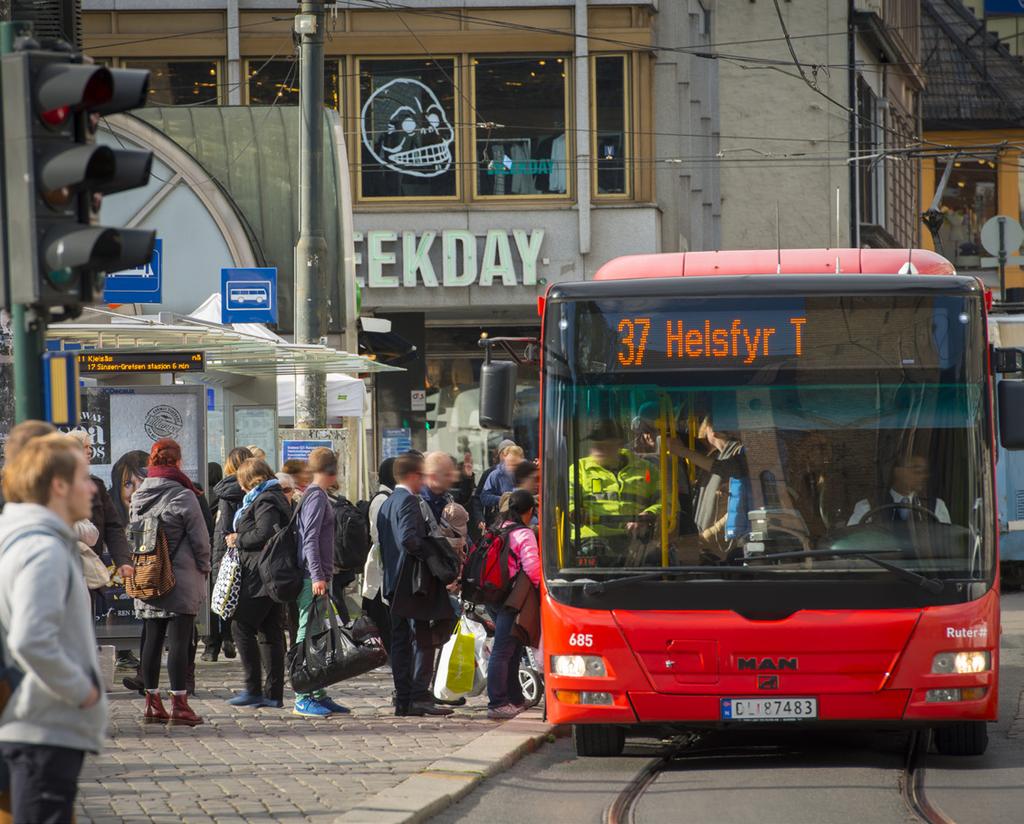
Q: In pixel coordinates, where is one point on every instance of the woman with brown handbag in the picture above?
(169, 495)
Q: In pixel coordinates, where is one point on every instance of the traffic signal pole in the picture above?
(311, 293)
(55, 254)
(28, 327)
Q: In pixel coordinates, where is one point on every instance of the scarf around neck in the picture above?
(251, 496)
(172, 473)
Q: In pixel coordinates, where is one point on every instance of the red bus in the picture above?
(768, 494)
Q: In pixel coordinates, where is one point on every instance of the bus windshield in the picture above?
(700, 433)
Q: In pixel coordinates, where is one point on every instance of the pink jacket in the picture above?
(524, 553)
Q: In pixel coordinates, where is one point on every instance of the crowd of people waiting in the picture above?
(60, 522)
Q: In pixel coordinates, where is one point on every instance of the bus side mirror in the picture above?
(497, 394)
(1011, 414)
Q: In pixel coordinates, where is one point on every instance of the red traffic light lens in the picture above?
(98, 91)
(56, 117)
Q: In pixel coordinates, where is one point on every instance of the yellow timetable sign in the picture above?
(130, 362)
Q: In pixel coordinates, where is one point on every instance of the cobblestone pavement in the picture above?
(262, 765)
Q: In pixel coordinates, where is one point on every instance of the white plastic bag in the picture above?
(446, 670)
(484, 645)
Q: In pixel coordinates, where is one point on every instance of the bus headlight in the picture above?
(962, 663)
(578, 666)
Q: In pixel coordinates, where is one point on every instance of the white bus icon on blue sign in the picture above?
(248, 294)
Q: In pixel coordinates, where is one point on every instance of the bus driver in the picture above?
(906, 499)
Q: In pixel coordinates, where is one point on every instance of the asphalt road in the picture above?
(802, 778)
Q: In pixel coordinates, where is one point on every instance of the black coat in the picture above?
(106, 520)
(402, 530)
(230, 495)
(268, 513)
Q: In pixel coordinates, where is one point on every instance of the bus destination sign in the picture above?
(662, 339)
(114, 363)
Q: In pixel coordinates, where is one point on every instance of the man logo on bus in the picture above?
(767, 663)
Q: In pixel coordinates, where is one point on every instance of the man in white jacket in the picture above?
(57, 711)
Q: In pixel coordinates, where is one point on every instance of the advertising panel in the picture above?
(124, 422)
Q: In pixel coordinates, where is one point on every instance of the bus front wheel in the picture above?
(963, 738)
(598, 740)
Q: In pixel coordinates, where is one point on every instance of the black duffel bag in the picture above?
(328, 654)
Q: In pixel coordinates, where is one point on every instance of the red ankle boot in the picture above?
(155, 712)
(181, 712)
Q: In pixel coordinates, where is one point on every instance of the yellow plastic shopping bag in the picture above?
(462, 662)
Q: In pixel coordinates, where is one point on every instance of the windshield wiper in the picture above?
(933, 585)
(598, 587)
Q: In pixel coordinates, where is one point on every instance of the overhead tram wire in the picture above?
(393, 6)
(696, 50)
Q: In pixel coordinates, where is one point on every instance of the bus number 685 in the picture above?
(581, 639)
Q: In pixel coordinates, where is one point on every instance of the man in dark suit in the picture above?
(402, 530)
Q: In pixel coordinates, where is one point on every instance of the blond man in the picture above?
(58, 712)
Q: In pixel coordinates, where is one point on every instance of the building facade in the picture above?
(494, 149)
(974, 106)
(820, 122)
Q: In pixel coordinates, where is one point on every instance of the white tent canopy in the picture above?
(345, 397)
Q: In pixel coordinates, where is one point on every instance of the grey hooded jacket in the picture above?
(187, 539)
(46, 628)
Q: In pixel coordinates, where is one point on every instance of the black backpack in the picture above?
(351, 533)
(279, 566)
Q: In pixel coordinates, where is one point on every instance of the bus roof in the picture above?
(772, 262)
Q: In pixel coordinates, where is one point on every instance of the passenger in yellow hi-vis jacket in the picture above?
(620, 494)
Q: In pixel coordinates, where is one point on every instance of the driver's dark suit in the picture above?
(890, 511)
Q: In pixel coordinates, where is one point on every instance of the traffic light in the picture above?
(55, 173)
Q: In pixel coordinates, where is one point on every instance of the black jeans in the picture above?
(412, 664)
(339, 583)
(258, 627)
(219, 631)
(380, 614)
(44, 782)
(179, 633)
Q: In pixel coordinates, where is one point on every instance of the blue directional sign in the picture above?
(299, 450)
(1004, 7)
(248, 295)
(144, 284)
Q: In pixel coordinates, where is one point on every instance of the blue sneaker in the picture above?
(246, 699)
(272, 704)
(310, 708)
(337, 709)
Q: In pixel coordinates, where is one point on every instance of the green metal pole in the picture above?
(29, 330)
(27, 325)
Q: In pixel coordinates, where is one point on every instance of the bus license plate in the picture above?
(769, 709)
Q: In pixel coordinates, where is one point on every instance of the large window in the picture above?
(520, 115)
(181, 82)
(277, 81)
(407, 114)
(870, 148)
(968, 200)
(610, 146)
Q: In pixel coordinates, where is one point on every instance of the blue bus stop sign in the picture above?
(248, 295)
(143, 284)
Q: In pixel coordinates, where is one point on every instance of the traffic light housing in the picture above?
(56, 254)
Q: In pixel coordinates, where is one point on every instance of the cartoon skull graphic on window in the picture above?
(405, 129)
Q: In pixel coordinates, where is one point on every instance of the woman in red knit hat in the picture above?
(170, 495)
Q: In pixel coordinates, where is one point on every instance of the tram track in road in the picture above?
(623, 809)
